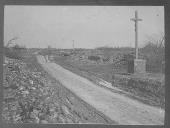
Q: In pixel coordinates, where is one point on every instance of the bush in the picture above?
(16, 52)
(154, 55)
(94, 58)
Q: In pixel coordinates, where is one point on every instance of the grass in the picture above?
(155, 95)
(104, 71)
(149, 91)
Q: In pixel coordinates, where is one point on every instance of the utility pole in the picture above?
(136, 19)
(73, 45)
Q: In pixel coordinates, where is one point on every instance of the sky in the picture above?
(86, 26)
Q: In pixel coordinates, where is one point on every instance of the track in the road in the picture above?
(119, 108)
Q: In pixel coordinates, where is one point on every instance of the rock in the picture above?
(68, 101)
(31, 82)
(52, 109)
(65, 110)
(21, 88)
(32, 115)
(36, 112)
(51, 119)
(25, 92)
(42, 116)
(17, 118)
(76, 120)
(55, 115)
(44, 122)
(37, 120)
(37, 101)
(68, 120)
(61, 119)
(33, 88)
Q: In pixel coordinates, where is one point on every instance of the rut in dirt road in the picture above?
(117, 107)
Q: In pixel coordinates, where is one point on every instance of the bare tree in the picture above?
(11, 41)
(154, 51)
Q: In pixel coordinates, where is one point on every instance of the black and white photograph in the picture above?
(84, 65)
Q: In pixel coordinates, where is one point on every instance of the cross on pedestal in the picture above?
(136, 19)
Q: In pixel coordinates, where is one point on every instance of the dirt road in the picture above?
(117, 107)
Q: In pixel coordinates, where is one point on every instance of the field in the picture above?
(32, 88)
(135, 84)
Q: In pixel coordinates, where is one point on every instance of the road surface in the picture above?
(117, 107)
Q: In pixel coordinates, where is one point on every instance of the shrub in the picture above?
(15, 52)
(154, 52)
(151, 90)
(155, 56)
(94, 58)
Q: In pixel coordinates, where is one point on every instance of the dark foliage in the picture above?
(15, 52)
(94, 58)
(155, 57)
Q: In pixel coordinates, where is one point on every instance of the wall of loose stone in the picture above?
(151, 89)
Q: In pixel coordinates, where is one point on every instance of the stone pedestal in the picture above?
(137, 66)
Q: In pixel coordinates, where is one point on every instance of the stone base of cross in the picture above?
(137, 66)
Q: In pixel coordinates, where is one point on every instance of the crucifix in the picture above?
(136, 19)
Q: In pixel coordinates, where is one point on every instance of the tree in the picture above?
(11, 41)
(15, 51)
(154, 50)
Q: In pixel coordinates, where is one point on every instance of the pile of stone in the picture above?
(30, 98)
(149, 88)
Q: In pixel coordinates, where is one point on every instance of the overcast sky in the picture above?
(88, 26)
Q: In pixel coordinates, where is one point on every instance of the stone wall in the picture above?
(146, 88)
